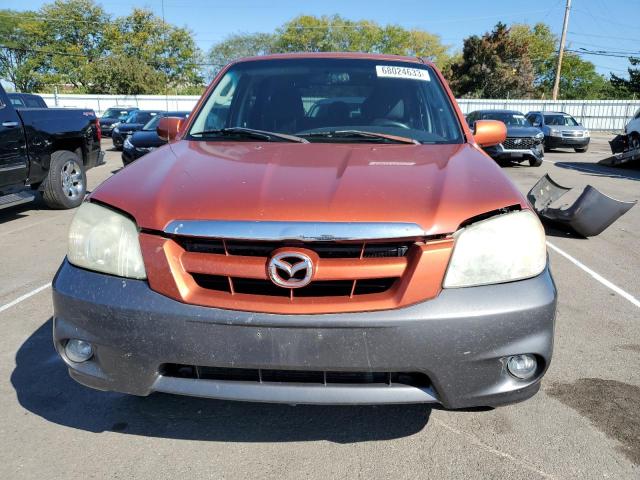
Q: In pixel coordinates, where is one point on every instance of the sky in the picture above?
(609, 26)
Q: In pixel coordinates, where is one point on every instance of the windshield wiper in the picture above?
(360, 134)
(252, 133)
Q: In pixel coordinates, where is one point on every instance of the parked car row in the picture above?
(143, 141)
(530, 135)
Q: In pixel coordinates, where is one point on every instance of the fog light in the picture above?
(522, 366)
(78, 351)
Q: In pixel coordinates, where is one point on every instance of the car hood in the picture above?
(146, 138)
(518, 131)
(436, 186)
(108, 121)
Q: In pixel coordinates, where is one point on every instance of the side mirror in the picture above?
(168, 128)
(489, 132)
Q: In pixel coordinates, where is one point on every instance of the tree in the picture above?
(629, 87)
(18, 63)
(578, 78)
(238, 46)
(541, 46)
(493, 66)
(72, 30)
(307, 33)
(145, 37)
(117, 74)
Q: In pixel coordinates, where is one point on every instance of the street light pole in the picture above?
(556, 83)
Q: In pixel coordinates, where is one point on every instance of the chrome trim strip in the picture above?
(302, 231)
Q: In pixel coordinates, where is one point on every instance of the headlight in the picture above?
(103, 240)
(127, 143)
(539, 135)
(586, 133)
(116, 130)
(500, 249)
(554, 132)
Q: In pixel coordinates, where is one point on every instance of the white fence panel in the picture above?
(605, 115)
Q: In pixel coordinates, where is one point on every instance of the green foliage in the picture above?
(578, 79)
(118, 74)
(308, 33)
(336, 34)
(627, 88)
(20, 65)
(238, 46)
(495, 65)
(540, 45)
(75, 43)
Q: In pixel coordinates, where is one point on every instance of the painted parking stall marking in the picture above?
(22, 298)
(597, 276)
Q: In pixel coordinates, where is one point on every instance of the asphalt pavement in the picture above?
(584, 423)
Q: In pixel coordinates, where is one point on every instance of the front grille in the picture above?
(519, 143)
(415, 379)
(323, 249)
(572, 133)
(333, 288)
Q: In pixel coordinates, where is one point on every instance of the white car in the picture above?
(633, 130)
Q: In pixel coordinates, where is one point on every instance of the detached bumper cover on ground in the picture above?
(457, 341)
(591, 214)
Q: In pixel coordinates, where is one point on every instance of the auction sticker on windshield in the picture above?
(402, 72)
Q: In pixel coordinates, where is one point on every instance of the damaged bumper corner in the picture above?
(591, 214)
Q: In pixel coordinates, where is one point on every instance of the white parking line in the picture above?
(596, 275)
(24, 297)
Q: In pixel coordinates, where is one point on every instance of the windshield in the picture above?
(564, 120)
(508, 118)
(114, 113)
(140, 117)
(307, 96)
(153, 123)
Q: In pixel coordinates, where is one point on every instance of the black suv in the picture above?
(523, 142)
(134, 122)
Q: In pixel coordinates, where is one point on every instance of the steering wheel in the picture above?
(385, 122)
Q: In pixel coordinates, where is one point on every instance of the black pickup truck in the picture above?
(47, 151)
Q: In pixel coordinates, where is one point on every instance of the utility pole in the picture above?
(556, 84)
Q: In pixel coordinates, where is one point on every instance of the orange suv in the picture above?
(324, 228)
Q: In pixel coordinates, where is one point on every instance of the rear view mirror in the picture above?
(168, 128)
(489, 132)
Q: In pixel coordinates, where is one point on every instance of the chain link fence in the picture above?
(597, 115)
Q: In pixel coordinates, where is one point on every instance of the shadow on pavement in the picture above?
(44, 388)
(600, 170)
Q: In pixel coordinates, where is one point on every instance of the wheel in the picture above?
(634, 141)
(535, 162)
(581, 149)
(66, 183)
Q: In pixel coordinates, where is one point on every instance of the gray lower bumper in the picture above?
(458, 340)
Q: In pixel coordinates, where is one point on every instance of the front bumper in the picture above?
(458, 340)
(131, 154)
(566, 142)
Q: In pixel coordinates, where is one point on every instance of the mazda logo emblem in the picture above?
(517, 141)
(290, 269)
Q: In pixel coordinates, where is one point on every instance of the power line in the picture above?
(604, 36)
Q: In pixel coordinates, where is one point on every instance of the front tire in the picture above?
(535, 162)
(66, 183)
